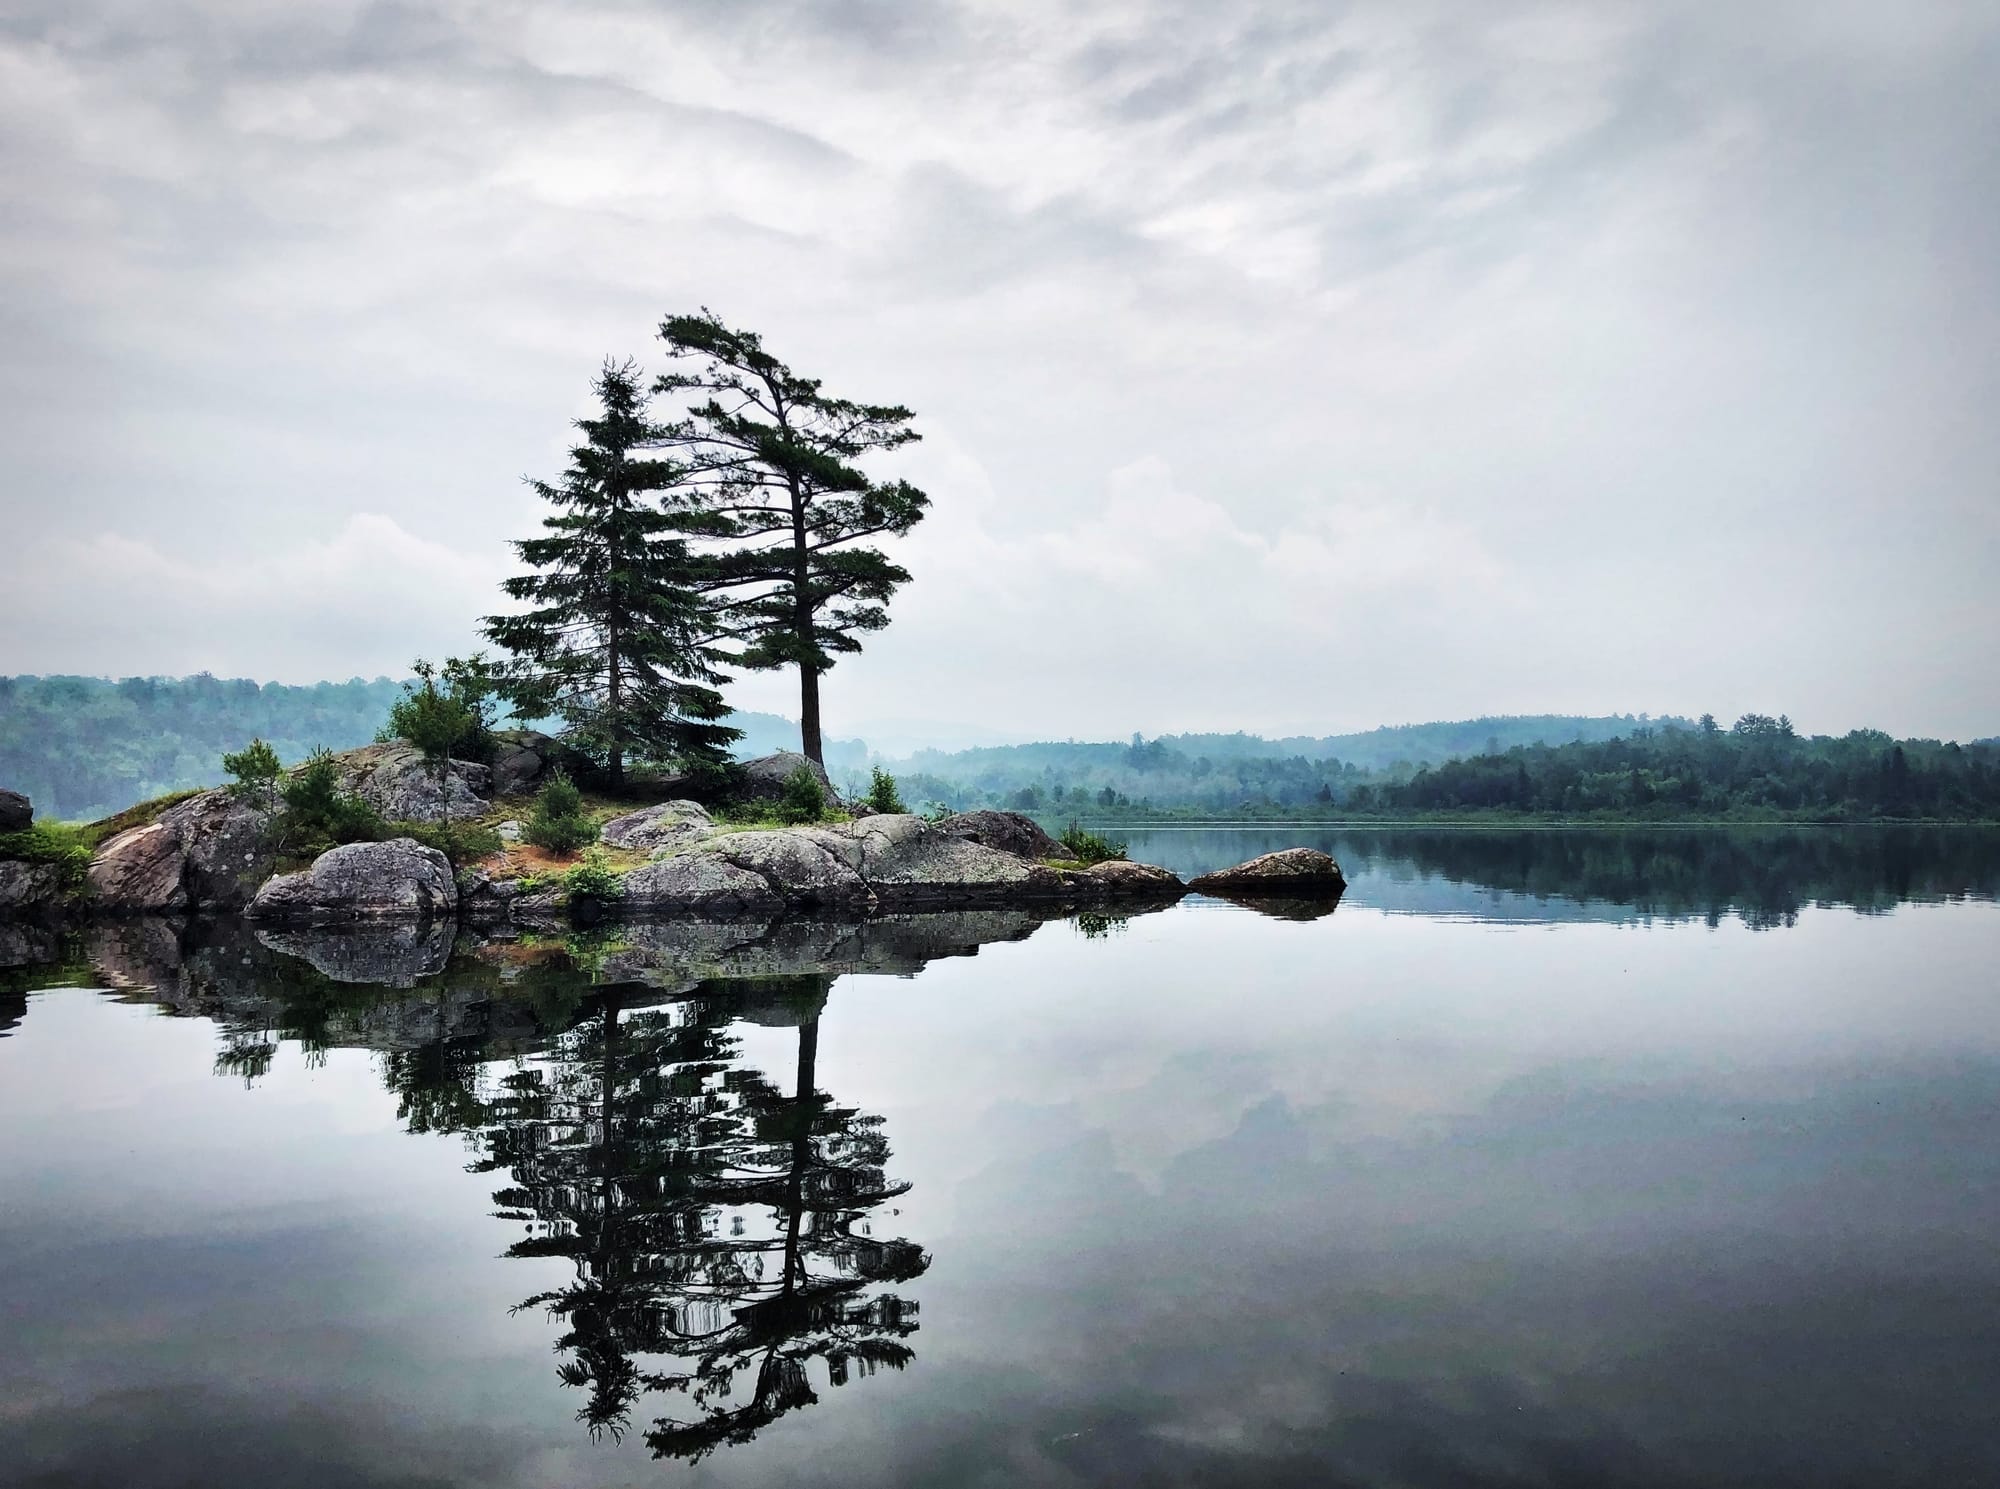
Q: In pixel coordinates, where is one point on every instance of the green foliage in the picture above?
(882, 793)
(804, 798)
(617, 639)
(255, 769)
(594, 879)
(318, 812)
(1086, 847)
(557, 822)
(777, 462)
(58, 843)
(437, 717)
(461, 842)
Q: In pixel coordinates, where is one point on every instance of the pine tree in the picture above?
(617, 641)
(776, 459)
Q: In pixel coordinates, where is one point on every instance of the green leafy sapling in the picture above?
(557, 822)
(804, 798)
(438, 722)
(256, 770)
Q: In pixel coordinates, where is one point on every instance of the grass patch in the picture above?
(1086, 847)
(60, 843)
(94, 834)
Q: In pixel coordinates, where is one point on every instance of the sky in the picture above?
(1284, 366)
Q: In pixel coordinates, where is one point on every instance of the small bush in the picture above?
(50, 842)
(318, 811)
(804, 798)
(593, 879)
(557, 823)
(256, 770)
(882, 793)
(1087, 847)
(461, 842)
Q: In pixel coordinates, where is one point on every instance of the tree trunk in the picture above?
(611, 708)
(809, 714)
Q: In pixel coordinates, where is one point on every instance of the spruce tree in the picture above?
(617, 641)
(776, 459)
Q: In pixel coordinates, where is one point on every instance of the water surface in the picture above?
(1543, 1159)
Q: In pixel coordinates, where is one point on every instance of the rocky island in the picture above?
(221, 851)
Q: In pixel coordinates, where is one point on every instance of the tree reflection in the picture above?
(716, 1224)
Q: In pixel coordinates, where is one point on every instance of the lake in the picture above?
(1547, 1158)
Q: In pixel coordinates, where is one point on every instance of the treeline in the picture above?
(85, 747)
(1761, 769)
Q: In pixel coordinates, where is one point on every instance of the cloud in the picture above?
(1660, 338)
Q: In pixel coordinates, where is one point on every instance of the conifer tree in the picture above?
(617, 641)
(776, 459)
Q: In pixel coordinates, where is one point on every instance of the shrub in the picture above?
(882, 793)
(804, 798)
(557, 823)
(593, 879)
(461, 842)
(318, 811)
(256, 769)
(1087, 847)
(50, 842)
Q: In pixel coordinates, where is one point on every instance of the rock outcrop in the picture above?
(889, 861)
(763, 779)
(139, 871)
(520, 758)
(393, 779)
(16, 811)
(670, 824)
(1006, 832)
(206, 853)
(1292, 872)
(397, 880)
(29, 888)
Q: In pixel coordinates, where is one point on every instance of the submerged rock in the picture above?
(1005, 832)
(16, 811)
(1290, 871)
(397, 880)
(665, 825)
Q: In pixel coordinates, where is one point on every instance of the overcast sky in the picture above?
(1283, 366)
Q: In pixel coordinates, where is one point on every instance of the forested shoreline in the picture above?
(86, 747)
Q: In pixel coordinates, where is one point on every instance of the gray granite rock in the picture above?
(16, 811)
(1290, 871)
(225, 846)
(668, 824)
(397, 880)
(139, 871)
(394, 780)
(1008, 832)
(28, 889)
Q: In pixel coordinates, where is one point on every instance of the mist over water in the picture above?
(1554, 1158)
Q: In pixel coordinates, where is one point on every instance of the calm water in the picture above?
(1547, 1158)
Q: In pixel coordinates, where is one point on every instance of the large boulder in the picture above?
(397, 880)
(887, 861)
(225, 846)
(521, 758)
(763, 779)
(394, 779)
(138, 871)
(1290, 871)
(669, 824)
(1006, 832)
(16, 811)
(209, 852)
